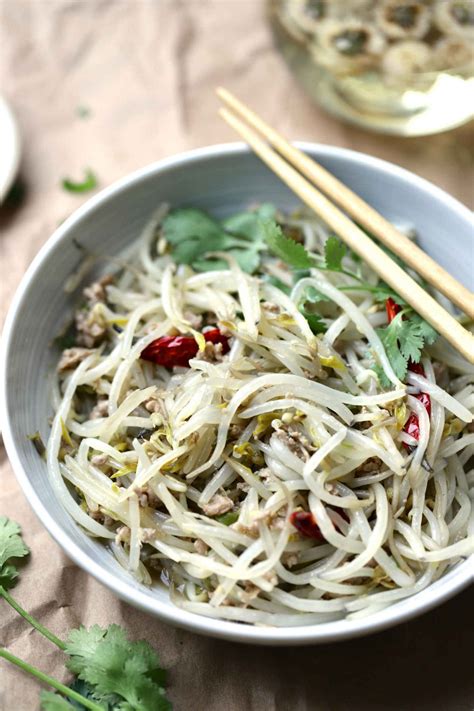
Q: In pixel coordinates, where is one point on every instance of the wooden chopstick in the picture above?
(358, 241)
(365, 215)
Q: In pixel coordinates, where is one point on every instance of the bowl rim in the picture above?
(454, 581)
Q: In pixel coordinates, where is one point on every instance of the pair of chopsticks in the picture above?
(252, 128)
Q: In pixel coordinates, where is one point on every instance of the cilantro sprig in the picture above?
(111, 672)
(296, 256)
(404, 339)
(292, 253)
(11, 546)
(194, 235)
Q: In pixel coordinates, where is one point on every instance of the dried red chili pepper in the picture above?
(392, 309)
(178, 350)
(425, 400)
(305, 523)
(412, 425)
(215, 336)
(416, 368)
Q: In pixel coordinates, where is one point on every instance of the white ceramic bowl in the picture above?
(221, 179)
(10, 148)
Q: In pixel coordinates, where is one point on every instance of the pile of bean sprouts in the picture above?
(285, 421)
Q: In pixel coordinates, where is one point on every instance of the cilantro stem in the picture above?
(357, 287)
(383, 292)
(65, 690)
(353, 275)
(366, 287)
(37, 625)
(346, 272)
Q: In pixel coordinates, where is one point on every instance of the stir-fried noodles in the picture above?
(269, 429)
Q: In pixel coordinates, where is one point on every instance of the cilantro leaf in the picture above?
(291, 252)
(314, 320)
(82, 643)
(111, 664)
(53, 702)
(89, 183)
(312, 296)
(188, 251)
(247, 224)
(247, 259)
(88, 692)
(11, 546)
(390, 340)
(8, 576)
(382, 378)
(193, 234)
(190, 223)
(404, 339)
(425, 329)
(334, 251)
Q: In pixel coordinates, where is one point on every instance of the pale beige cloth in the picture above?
(147, 71)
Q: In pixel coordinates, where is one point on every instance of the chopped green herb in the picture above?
(228, 518)
(315, 322)
(404, 339)
(189, 223)
(334, 251)
(291, 252)
(246, 224)
(89, 183)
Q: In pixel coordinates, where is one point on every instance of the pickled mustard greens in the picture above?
(249, 413)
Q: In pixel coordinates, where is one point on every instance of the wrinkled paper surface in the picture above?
(147, 70)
